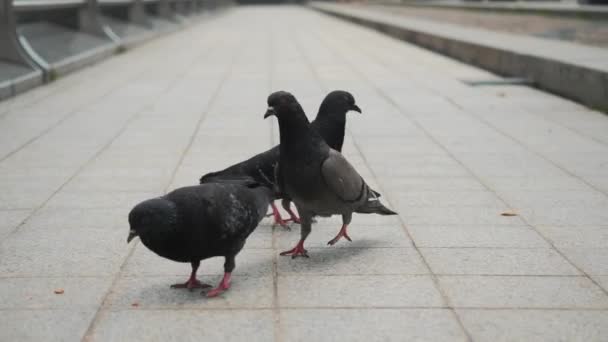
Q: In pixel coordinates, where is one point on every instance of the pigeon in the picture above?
(194, 223)
(330, 123)
(319, 180)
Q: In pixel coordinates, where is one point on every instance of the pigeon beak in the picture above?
(132, 235)
(270, 112)
(356, 109)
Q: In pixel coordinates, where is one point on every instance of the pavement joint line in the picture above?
(276, 310)
(430, 136)
(445, 299)
(319, 308)
(210, 104)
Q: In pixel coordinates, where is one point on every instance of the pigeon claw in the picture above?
(190, 285)
(278, 220)
(221, 288)
(293, 217)
(342, 234)
(297, 251)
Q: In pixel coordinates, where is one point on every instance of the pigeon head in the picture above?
(151, 219)
(282, 103)
(337, 104)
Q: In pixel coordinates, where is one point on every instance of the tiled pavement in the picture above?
(76, 155)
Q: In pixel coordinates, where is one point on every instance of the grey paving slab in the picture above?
(189, 325)
(523, 292)
(155, 293)
(457, 216)
(593, 261)
(48, 325)
(476, 236)
(447, 198)
(381, 236)
(576, 237)
(381, 325)
(355, 261)
(39, 293)
(540, 325)
(357, 291)
(146, 263)
(62, 252)
(10, 220)
(494, 261)
(602, 280)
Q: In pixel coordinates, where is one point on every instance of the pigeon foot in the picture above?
(223, 286)
(298, 250)
(191, 284)
(294, 218)
(342, 233)
(278, 220)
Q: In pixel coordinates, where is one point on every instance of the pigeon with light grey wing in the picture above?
(319, 180)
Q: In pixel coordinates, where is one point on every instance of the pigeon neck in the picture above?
(294, 129)
(331, 129)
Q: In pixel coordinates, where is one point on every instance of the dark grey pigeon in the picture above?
(319, 179)
(194, 223)
(330, 123)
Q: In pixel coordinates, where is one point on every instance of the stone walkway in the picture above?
(76, 155)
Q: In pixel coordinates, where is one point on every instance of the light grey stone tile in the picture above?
(39, 293)
(516, 236)
(375, 325)
(86, 199)
(62, 252)
(48, 325)
(354, 261)
(10, 219)
(522, 292)
(497, 261)
(446, 199)
(602, 280)
(537, 325)
(363, 236)
(576, 237)
(565, 216)
(560, 183)
(187, 325)
(509, 165)
(556, 198)
(593, 261)
(457, 216)
(428, 183)
(358, 291)
(48, 218)
(155, 293)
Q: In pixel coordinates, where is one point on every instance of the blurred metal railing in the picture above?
(43, 39)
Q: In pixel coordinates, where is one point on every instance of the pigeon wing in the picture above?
(341, 178)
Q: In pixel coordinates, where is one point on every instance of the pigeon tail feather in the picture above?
(374, 206)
